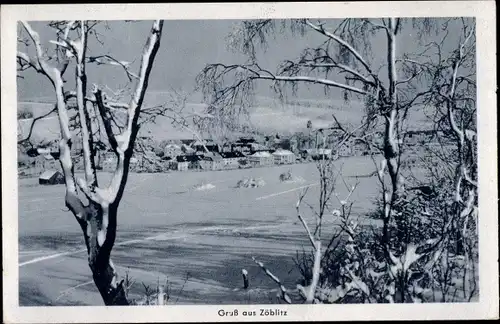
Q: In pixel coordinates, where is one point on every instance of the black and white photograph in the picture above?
(255, 160)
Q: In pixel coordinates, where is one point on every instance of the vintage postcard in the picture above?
(249, 162)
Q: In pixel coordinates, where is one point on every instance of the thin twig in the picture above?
(297, 207)
(284, 293)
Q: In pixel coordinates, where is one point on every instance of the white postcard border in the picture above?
(484, 11)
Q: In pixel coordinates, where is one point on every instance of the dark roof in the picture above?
(210, 147)
(189, 158)
(231, 155)
(246, 140)
(239, 154)
(187, 141)
(48, 174)
(242, 144)
(422, 131)
(213, 156)
(32, 152)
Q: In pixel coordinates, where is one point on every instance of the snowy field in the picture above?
(171, 230)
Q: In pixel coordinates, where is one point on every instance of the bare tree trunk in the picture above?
(390, 153)
(391, 156)
(315, 275)
(103, 270)
(391, 147)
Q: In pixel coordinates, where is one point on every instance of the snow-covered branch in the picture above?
(109, 60)
(125, 141)
(338, 39)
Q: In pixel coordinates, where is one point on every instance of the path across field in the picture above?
(169, 231)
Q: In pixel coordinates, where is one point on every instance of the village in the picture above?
(193, 154)
(208, 155)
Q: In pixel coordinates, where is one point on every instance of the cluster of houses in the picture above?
(245, 152)
(189, 154)
(186, 154)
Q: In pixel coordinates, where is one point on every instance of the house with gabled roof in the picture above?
(256, 147)
(231, 160)
(187, 150)
(188, 161)
(247, 140)
(212, 161)
(283, 156)
(360, 147)
(182, 163)
(51, 177)
(261, 158)
(244, 145)
(318, 154)
(345, 150)
(209, 145)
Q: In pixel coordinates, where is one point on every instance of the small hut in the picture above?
(51, 177)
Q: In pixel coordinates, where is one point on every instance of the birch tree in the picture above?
(390, 86)
(453, 95)
(94, 205)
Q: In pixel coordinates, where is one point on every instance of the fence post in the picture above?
(244, 272)
(161, 299)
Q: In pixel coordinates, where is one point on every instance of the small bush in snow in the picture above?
(286, 176)
(251, 183)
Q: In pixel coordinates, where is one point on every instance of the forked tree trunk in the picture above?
(105, 278)
(103, 271)
(97, 218)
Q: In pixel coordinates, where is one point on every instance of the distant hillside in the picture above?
(290, 117)
(268, 116)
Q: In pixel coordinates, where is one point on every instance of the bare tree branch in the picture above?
(106, 119)
(109, 60)
(283, 290)
(27, 138)
(308, 232)
(80, 48)
(126, 139)
(320, 29)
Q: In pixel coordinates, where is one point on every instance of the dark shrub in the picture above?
(24, 114)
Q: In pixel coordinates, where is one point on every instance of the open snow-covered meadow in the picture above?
(171, 231)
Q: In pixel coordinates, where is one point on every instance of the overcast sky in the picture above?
(186, 47)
